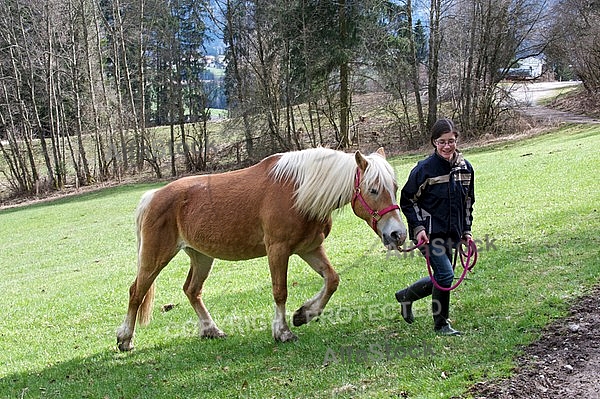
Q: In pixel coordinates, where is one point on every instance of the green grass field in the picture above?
(66, 267)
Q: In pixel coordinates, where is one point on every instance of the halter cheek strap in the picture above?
(375, 215)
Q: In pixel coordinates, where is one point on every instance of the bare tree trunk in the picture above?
(41, 132)
(268, 77)
(414, 70)
(120, 107)
(142, 84)
(105, 103)
(468, 78)
(172, 145)
(237, 75)
(344, 79)
(99, 142)
(75, 67)
(15, 159)
(24, 126)
(125, 65)
(52, 104)
(178, 104)
(308, 84)
(33, 93)
(433, 61)
(58, 136)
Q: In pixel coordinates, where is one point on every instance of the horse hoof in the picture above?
(212, 333)
(299, 318)
(286, 336)
(125, 346)
(303, 316)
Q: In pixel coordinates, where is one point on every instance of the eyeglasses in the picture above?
(443, 143)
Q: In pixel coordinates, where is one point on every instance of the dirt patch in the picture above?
(563, 363)
(554, 116)
(580, 103)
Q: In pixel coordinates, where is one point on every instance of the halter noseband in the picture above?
(375, 215)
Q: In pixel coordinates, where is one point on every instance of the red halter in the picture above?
(375, 215)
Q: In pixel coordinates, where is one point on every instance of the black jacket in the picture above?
(438, 197)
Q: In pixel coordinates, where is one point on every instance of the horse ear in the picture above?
(381, 152)
(360, 160)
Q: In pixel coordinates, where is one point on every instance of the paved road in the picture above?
(529, 96)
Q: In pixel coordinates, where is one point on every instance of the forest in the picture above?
(99, 90)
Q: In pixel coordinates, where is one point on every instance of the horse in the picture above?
(275, 208)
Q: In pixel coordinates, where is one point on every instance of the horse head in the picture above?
(374, 198)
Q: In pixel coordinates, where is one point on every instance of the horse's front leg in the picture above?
(314, 306)
(278, 264)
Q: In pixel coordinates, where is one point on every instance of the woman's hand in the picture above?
(422, 237)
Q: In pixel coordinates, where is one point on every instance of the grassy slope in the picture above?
(66, 267)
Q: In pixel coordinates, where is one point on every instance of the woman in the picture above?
(437, 201)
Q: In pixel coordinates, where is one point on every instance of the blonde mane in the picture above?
(324, 178)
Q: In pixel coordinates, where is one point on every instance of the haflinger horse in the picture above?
(278, 207)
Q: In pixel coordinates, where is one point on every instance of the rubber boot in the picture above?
(440, 307)
(407, 296)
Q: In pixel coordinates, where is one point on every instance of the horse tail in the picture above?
(145, 310)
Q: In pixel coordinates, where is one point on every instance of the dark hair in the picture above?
(440, 127)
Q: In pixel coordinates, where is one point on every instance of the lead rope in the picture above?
(467, 260)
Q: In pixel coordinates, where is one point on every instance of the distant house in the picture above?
(209, 61)
(212, 61)
(528, 68)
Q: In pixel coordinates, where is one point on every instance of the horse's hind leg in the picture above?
(152, 259)
(314, 306)
(200, 266)
(137, 292)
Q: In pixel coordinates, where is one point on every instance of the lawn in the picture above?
(67, 265)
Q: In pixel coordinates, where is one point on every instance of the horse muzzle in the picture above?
(394, 239)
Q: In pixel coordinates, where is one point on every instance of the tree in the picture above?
(171, 68)
(86, 80)
(237, 80)
(433, 61)
(483, 39)
(575, 43)
(414, 64)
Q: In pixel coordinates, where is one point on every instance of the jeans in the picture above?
(440, 258)
(439, 253)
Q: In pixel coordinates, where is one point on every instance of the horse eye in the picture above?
(373, 191)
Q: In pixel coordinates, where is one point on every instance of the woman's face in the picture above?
(446, 145)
